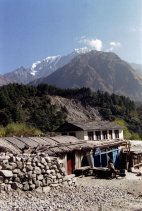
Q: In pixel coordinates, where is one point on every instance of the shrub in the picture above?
(135, 136)
(20, 129)
(2, 131)
(123, 124)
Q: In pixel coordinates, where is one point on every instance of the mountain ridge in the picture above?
(88, 72)
(97, 70)
(43, 68)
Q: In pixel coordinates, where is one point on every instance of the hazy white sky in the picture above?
(31, 30)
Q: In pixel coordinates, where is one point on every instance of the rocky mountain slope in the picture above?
(20, 75)
(83, 68)
(75, 111)
(42, 68)
(137, 68)
(97, 70)
(4, 80)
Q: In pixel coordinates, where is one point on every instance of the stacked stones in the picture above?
(32, 171)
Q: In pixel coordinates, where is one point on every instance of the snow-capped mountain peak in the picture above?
(50, 62)
(44, 67)
(34, 65)
(82, 50)
(51, 58)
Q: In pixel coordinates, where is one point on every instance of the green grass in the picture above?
(19, 129)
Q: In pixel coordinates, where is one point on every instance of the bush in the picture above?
(20, 129)
(2, 131)
(135, 136)
(123, 124)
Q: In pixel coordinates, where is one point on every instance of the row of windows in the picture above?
(91, 134)
(105, 135)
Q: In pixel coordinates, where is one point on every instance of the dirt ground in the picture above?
(89, 194)
(129, 188)
(131, 182)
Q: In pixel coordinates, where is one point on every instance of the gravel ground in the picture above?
(90, 195)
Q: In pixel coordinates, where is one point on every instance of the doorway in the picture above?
(70, 162)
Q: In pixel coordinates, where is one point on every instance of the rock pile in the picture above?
(32, 171)
(81, 198)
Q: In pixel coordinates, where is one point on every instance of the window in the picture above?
(110, 134)
(72, 134)
(90, 135)
(104, 134)
(98, 135)
(116, 132)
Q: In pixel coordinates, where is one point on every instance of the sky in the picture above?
(31, 30)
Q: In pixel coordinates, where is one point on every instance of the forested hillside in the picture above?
(32, 106)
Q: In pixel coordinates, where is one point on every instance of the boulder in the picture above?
(37, 170)
(48, 171)
(13, 165)
(48, 159)
(46, 189)
(26, 186)
(32, 186)
(54, 185)
(6, 173)
(8, 188)
(16, 171)
(20, 165)
(69, 177)
(37, 183)
(17, 179)
(1, 179)
(12, 159)
(2, 187)
(43, 160)
(29, 168)
(40, 177)
(18, 158)
(6, 181)
(14, 185)
(39, 190)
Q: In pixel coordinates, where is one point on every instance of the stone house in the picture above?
(72, 152)
(65, 148)
(93, 130)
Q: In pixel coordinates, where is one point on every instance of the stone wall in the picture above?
(32, 171)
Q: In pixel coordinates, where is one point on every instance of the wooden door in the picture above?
(70, 163)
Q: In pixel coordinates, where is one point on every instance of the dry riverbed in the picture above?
(90, 195)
